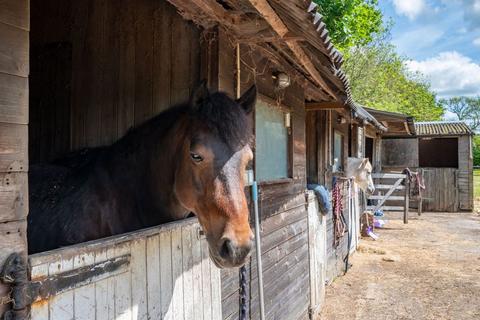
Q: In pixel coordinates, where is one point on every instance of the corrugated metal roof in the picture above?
(442, 128)
(363, 114)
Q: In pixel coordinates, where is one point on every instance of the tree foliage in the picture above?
(476, 150)
(351, 22)
(380, 80)
(465, 108)
(378, 76)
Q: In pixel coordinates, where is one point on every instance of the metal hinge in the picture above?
(15, 275)
(23, 292)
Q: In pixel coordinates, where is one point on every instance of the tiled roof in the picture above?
(442, 128)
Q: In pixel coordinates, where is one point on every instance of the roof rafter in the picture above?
(272, 18)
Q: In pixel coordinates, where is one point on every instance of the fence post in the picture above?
(407, 200)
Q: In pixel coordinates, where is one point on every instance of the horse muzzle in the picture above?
(230, 255)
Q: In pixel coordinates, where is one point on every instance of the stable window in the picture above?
(438, 152)
(369, 143)
(337, 152)
(272, 142)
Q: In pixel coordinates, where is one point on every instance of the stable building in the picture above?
(442, 152)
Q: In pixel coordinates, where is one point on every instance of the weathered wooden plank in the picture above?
(13, 147)
(283, 219)
(144, 61)
(123, 287)
(13, 99)
(216, 288)
(39, 309)
(177, 274)
(15, 13)
(166, 279)
(81, 56)
(139, 279)
(13, 196)
(105, 289)
(388, 208)
(62, 306)
(162, 56)
(388, 176)
(388, 187)
(154, 285)
(206, 287)
(180, 61)
(198, 303)
(187, 265)
(13, 50)
(389, 198)
(110, 78)
(126, 68)
(84, 307)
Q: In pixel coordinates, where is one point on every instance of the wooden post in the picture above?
(14, 70)
(407, 200)
(420, 199)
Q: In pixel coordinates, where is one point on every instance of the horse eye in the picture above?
(195, 157)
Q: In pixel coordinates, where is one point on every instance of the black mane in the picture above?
(225, 119)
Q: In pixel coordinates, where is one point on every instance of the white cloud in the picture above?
(450, 74)
(409, 8)
(476, 42)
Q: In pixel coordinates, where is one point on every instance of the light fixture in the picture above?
(282, 80)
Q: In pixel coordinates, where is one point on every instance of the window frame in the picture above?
(342, 150)
(284, 109)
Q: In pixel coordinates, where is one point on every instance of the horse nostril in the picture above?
(227, 250)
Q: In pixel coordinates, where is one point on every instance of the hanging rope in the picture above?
(338, 219)
(242, 312)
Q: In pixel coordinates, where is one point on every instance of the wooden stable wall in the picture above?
(282, 205)
(320, 128)
(166, 273)
(14, 71)
(448, 189)
(102, 67)
(465, 173)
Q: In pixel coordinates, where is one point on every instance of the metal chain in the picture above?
(243, 293)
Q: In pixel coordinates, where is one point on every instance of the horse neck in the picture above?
(150, 167)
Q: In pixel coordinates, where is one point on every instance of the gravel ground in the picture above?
(427, 269)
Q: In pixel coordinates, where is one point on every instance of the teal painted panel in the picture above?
(271, 153)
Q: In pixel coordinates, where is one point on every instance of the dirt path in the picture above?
(428, 269)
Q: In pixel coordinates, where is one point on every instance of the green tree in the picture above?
(351, 22)
(476, 150)
(379, 79)
(465, 108)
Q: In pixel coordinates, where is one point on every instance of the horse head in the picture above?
(361, 172)
(209, 179)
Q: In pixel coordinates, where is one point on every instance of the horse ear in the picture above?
(200, 94)
(248, 99)
(364, 162)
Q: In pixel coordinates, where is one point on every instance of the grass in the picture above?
(476, 183)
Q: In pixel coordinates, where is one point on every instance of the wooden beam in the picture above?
(331, 105)
(275, 57)
(273, 38)
(264, 8)
(407, 129)
(213, 9)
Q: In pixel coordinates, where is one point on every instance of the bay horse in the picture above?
(189, 159)
(360, 169)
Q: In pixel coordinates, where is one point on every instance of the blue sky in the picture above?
(442, 40)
